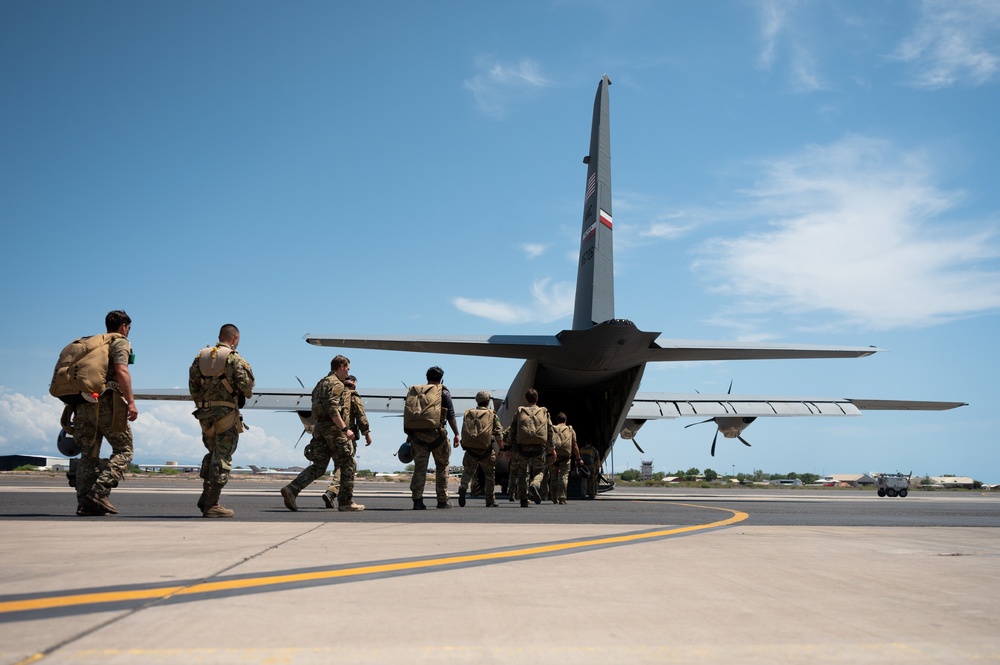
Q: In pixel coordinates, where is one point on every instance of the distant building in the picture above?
(647, 469)
(953, 481)
(11, 462)
(853, 479)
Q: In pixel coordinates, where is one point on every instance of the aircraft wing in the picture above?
(653, 406)
(389, 400)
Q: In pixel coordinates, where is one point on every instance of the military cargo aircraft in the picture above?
(592, 371)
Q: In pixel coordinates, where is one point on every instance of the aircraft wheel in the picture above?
(903, 493)
(890, 492)
(881, 492)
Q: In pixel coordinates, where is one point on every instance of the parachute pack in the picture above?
(82, 369)
(477, 429)
(422, 409)
(562, 439)
(532, 425)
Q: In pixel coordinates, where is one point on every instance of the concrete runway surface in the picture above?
(639, 575)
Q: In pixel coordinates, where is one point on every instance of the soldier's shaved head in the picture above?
(228, 333)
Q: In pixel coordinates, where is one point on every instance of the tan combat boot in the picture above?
(353, 507)
(212, 507)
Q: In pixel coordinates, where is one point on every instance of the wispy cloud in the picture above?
(955, 41)
(548, 302)
(498, 84)
(859, 229)
(533, 250)
(778, 34)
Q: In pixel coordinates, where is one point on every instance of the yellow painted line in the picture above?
(271, 580)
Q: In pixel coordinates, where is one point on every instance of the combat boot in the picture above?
(461, 497)
(524, 503)
(418, 504)
(204, 495)
(100, 502)
(89, 510)
(329, 498)
(289, 496)
(444, 504)
(533, 493)
(212, 507)
(353, 507)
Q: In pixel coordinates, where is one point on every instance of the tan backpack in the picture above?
(477, 429)
(81, 373)
(532, 425)
(562, 439)
(422, 409)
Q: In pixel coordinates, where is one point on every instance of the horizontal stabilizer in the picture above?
(678, 350)
(524, 347)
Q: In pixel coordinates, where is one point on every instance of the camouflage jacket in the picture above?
(354, 412)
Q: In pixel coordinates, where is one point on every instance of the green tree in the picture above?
(711, 475)
(631, 475)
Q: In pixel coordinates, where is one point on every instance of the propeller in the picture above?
(303, 429)
(715, 438)
(636, 444)
(730, 423)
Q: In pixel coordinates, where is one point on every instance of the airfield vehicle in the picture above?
(893, 484)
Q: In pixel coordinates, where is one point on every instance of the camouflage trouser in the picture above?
(546, 481)
(488, 464)
(421, 457)
(108, 419)
(558, 477)
(328, 443)
(595, 472)
(220, 432)
(524, 472)
(335, 478)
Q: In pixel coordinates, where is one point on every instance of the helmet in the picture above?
(405, 453)
(66, 445)
(483, 397)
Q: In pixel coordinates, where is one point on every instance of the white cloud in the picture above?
(533, 250)
(28, 424)
(857, 228)
(548, 302)
(164, 431)
(954, 42)
(497, 84)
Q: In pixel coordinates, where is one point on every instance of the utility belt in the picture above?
(215, 402)
(530, 450)
(415, 437)
(478, 453)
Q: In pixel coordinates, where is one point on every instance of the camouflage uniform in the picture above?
(527, 463)
(328, 442)
(482, 459)
(218, 399)
(357, 420)
(108, 419)
(560, 467)
(434, 442)
(589, 455)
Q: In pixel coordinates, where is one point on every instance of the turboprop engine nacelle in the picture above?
(308, 422)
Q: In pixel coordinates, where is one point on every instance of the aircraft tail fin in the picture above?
(595, 281)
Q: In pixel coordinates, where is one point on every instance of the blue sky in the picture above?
(801, 172)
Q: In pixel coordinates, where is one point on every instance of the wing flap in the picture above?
(653, 406)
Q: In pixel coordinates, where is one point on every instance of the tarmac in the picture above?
(707, 583)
